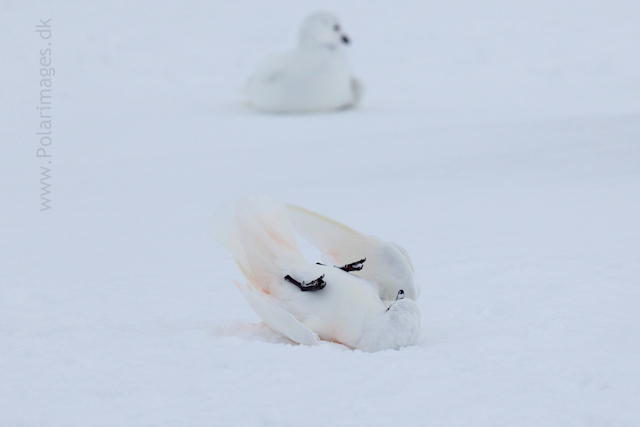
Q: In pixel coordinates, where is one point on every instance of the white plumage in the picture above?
(388, 266)
(316, 76)
(348, 310)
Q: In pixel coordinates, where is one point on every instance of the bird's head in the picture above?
(397, 326)
(322, 29)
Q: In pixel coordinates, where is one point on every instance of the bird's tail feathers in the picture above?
(275, 317)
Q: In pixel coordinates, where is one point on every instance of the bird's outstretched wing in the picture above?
(387, 266)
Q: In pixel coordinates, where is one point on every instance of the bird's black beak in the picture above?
(399, 297)
(345, 39)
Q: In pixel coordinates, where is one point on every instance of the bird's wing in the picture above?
(387, 267)
(344, 244)
(356, 90)
(275, 317)
(404, 253)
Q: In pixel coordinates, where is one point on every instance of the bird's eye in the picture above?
(336, 27)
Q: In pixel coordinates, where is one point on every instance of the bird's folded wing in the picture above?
(275, 317)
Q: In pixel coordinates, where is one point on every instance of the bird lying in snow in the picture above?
(305, 301)
(316, 76)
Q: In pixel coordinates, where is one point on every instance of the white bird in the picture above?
(386, 265)
(316, 76)
(305, 301)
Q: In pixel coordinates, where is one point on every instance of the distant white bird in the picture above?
(315, 76)
(387, 266)
(302, 300)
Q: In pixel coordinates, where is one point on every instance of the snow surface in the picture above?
(499, 142)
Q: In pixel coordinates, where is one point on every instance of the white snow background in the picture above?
(498, 141)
